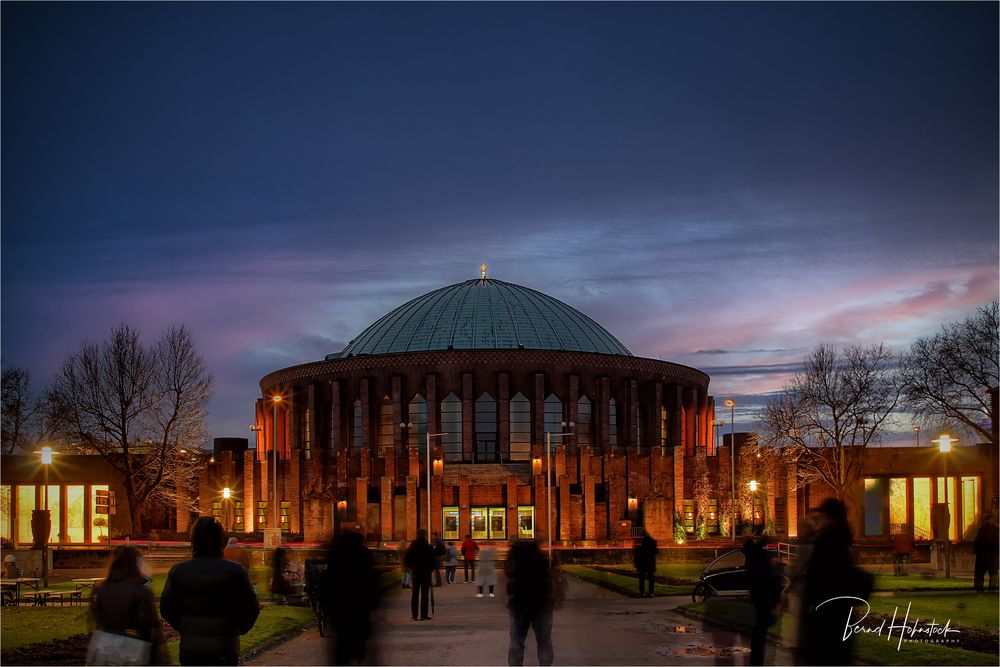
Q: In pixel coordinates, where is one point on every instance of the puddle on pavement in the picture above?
(687, 629)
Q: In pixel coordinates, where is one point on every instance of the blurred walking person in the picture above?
(439, 553)
(986, 546)
(209, 600)
(833, 584)
(421, 561)
(487, 573)
(765, 592)
(469, 550)
(123, 603)
(530, 599)
(450, 563)
(644, 559)
(349, 595)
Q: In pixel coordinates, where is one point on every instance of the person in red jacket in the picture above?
(469, 550)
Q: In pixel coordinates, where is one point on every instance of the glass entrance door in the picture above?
(477, 516)
(526, 522)
(498, 523)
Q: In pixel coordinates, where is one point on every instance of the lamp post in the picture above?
(548, 480)
(46, 453)
(753, 503)
(944, 443)
(429, 436)
(916, 434)
(731, 404)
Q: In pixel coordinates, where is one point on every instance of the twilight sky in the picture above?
(723, 186)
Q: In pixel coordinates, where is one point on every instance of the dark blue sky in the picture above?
(722, 185)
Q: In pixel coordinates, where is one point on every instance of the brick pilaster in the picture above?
(385, 508)
(468, 418)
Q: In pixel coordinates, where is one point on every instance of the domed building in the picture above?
(498, 382)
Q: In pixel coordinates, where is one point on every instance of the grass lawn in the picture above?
(620, 583)
(978, 612)
(685, 571)
(20, 626)
(274, 621)
(916, 582)
(964, 609)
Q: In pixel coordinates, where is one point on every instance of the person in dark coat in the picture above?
(421, 560)
(440, 550)
(764, 595)
(987, 549)
(830, 574)
(209, 600)
(349, 595)
(644, 559)
(530, 599)
(123, 603)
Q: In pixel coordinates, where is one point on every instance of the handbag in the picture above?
(107, 648)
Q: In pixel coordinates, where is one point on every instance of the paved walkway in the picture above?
(594, 627)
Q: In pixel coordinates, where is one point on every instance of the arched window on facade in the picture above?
(486, 429)
(416, 415)
(520, 428)
(584, 422)
(451, 426)
(385, 423)
(612, 423)
(553, 415)
(357, 426)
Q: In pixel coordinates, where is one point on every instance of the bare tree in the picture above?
(831, 411)
(947, 377)
(137, 407)
(21, 409)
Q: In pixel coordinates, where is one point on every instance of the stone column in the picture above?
(589, 508)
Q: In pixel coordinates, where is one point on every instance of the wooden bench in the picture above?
(41, 598)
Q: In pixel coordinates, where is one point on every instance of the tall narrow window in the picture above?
(451, 426)
(417, 417)
(663, 426)
(874, 506)
(25, 503)
(638, 428)
(922, 508)
(952, 503)
(897, 506)
(357, 427)
(486, 429)
(307, 433)
(584, 425)
(100, 510)
(385, 423)
(55, 502)
(612, 423)
(553, 415)
(5, 518)
(970, 507)
(520, 428)
(75, 500)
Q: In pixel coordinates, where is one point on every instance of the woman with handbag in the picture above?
(124, 613)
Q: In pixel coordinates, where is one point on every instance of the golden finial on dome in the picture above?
(482, 270)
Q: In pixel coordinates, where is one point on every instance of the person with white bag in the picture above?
(124, 612)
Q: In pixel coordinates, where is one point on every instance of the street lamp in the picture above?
(429, 436)
(731, 404)
(944, 443)
(548, 479)
(46, 454)
(916, 434)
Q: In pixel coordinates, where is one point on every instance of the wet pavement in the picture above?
(594, 627)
